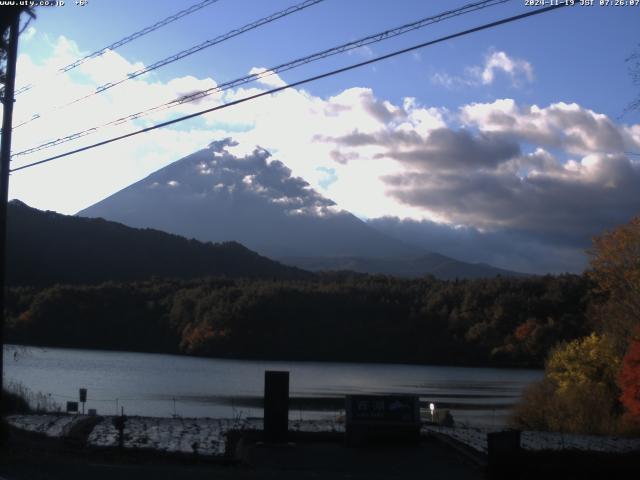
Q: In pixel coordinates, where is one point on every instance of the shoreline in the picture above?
(317, 455)
(282, 360)
(208, 436)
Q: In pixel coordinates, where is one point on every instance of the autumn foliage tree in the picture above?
(578, 393)
(629, 381)
(587, 381)
(585, 360)
(615, 262)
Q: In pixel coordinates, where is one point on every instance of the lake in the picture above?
(165, 385)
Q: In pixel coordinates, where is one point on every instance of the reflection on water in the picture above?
(164, 385)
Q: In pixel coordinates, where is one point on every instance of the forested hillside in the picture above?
(44, 248)
(510, 322)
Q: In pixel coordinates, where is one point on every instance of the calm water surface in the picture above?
(164, 385)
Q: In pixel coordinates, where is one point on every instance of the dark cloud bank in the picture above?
(521, 207)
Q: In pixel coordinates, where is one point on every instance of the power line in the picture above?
(375, 38)
(271, 71)
(208, 43)
(300, 82)
(190, 51)
(129, 38)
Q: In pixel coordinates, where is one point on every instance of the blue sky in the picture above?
(531, 112)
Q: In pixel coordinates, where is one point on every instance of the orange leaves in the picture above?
(629, 379)
(524, 330)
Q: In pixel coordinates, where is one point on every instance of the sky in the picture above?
(508, 146)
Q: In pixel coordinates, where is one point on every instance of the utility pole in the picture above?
(5, 157)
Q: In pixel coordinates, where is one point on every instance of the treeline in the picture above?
(348, 317)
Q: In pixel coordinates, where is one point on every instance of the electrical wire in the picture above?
(189, 51)
(129, 38)
(300, 82)
(371, 39)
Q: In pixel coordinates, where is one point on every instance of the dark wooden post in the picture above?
(276, 406)
(5, 158)
(119, 424)
(504, 454)
(83, 397)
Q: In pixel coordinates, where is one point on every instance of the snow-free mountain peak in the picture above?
(213, 195)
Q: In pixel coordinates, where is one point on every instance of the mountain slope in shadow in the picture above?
(440, 266)
(46, 247)
(214, 195)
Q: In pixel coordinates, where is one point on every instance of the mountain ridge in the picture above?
(440, 266)
(45, 247)
(213, 195)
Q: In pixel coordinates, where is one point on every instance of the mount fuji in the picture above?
(213, 195)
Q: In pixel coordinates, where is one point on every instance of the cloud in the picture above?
(28, 34)
(451, 81)
(547, 177)
(306, 145)
(497, 62)
(268, 77)
(568, 203)
(252, 175)
(442, 148)
(266, 122)
(500, 62)
(114, 166)
(489, 184)
(59, 119)
(560, 125)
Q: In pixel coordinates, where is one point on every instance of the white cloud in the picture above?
(569, 127)
(517, 70)
(448, 81)
(268, 77)
(28, 34)
(500, 61)
(129, 97)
